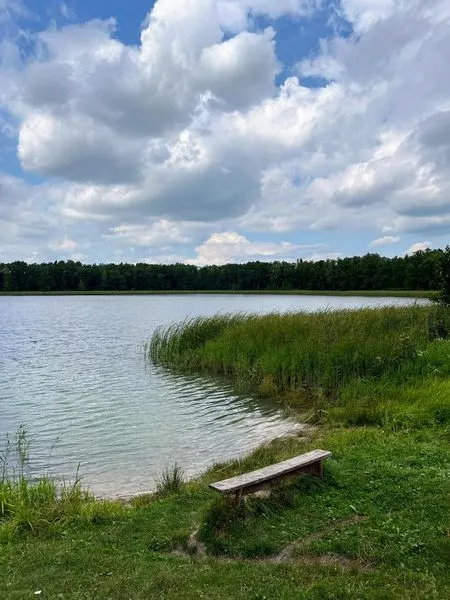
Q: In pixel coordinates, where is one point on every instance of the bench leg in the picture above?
(238, 497)
(316, 469)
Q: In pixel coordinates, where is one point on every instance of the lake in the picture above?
(73, 371)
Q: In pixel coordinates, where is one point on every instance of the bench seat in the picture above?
(249, 482)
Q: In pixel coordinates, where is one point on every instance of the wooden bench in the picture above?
(311, 462)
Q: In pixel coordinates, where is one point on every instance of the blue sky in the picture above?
(214, 131)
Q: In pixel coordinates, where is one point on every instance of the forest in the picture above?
(424, 270)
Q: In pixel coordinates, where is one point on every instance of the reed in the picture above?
(327, 359)
(41, 504)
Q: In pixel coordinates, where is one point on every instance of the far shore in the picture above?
(366, 293)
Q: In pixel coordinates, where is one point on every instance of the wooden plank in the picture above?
(268, 473)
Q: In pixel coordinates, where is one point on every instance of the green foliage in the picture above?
(420, 271)
(374, 529)
(445, 293)
(366, 508)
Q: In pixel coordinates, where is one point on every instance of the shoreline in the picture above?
(353, 293)
(298, 429)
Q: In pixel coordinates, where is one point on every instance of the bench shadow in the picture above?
(224, 518)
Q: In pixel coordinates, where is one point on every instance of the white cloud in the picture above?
(418, 247)
(10, 9)
(66, 245)
(163, 259)
(364, 14)
(162, 233)
(66, 11)
(316, 256)
(235, 15)
(241, 70)
(186, 134)
(229, 247)
(386, 240)
(78, 149)
(93, 109)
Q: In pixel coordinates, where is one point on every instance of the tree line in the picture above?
(421, 271)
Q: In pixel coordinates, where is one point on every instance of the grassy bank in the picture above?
(361, 367)
(364, 293)
(375, 527)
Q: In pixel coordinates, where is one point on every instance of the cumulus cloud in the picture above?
(418, 247)
(386, 240)
(162, 233)
(27, 220)
(364, 14)
(187, 131)
(229, 247)
(78, 149)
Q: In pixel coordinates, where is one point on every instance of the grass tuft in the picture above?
(170, 481)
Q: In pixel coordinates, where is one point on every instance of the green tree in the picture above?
(445, 294)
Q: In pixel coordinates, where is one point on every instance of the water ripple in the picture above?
(72, 369)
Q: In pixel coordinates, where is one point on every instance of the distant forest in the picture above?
(420, 271)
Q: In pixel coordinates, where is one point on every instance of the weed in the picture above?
(170, 481)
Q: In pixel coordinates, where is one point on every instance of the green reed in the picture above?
(37, 504)
(328, 356)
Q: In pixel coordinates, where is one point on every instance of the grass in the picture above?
(39, 506)
(376, 527)
(360, 366)
(170, 481)
(367, 293)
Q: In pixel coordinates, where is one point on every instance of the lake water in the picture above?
(73, 371)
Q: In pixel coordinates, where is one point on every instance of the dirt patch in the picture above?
(193, 547)
(336, 526)
(289, 554)
(328, 560)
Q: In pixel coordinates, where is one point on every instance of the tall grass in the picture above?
(28, 504)
(179, 343)
(315, 356)
(170, 481)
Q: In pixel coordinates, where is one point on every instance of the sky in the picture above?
(217, 131)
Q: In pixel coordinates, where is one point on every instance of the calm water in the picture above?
(72, 369)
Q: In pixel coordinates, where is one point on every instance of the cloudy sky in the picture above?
(214, 131)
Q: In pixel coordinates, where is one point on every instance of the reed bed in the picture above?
(328, 357)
